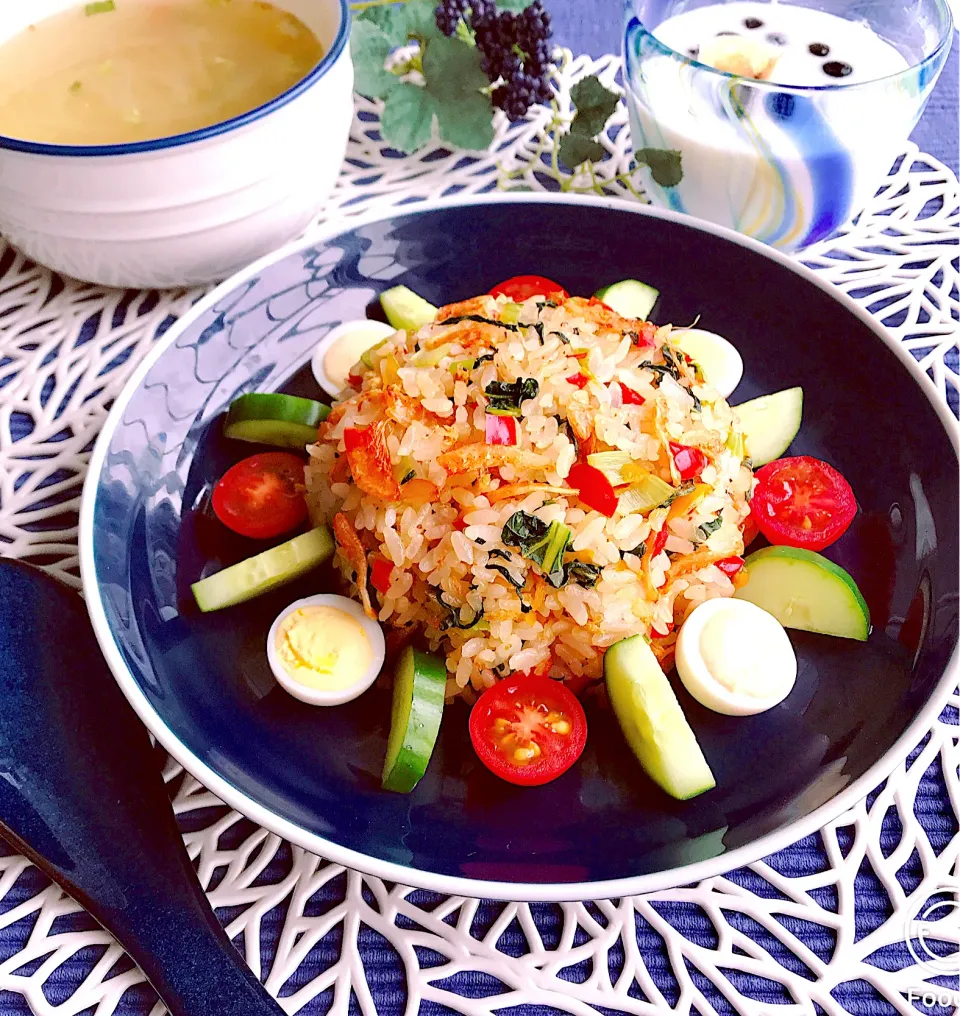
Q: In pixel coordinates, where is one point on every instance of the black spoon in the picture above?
(81, 795)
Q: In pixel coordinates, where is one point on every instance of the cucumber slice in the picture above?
(629, 298)
(804, 590)
(286, 421)
(652, 721)
(419, 682)
(770, 423)
(405, 310)
(272, 568)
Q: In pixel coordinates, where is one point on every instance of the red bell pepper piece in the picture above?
(730, 566)
(380, 575)
(690, 462)
(659, 542)
(578, 380)
(593, 488)
(501, 430)
(662, 635)
(630, 397)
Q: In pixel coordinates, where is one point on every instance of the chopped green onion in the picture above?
(510, 313)
(611, 465)
(99, 7)
(75, 87)
(645, 494)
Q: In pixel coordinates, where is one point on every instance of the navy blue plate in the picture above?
(202, 684)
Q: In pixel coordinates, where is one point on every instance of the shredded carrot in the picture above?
(695, 561)
(523, 489)
(418, 492)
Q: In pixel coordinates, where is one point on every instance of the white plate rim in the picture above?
(455, 885)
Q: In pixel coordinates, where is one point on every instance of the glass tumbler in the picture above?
(786, 163)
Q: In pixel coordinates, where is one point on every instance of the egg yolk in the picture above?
(737, 652)
(322, 647)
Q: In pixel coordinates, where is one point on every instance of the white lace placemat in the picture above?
(817, 929)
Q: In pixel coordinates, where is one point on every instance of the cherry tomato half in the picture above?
(528, 730)
(522, 287)
(262, 496)
(593, 488)
(802, 502)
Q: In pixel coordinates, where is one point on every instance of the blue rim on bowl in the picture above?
(221, 775)
(204, 133)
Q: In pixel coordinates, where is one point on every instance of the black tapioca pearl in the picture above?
(752, 23)
(837, 69)
(819, 49)
(776, 39)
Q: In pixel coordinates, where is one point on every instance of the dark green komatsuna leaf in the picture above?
(390, 20)
(707, 528)
(504, 397)
(369, 49)
(576, 149)
(452, 69)
(583, 573)
(538, 542)
(595, 104)
(665, 165)
(467, 121)
(407, 118)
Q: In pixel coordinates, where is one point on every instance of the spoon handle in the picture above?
(81, 795)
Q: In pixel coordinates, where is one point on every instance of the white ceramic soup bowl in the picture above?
(194, 207)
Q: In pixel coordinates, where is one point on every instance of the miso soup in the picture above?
(118, 71)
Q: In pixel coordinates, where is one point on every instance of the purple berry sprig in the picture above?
(445, 67)
(514, 49)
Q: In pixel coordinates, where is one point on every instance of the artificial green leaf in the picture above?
(390, 20)
(407, 118)
(419, 20)
(465, 34)
(665, 165)
(452, 69)
(513, 5)
(575, 149)
(466, 121)
(369, 49)
(595, 104)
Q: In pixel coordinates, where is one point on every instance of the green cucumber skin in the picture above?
(273, 418)
(277, 433)
(240, 581)
(769, 432)
(671, 757)
(811, 568)
(419, 684)
(405, 310)
(629, 298)
(277, 406)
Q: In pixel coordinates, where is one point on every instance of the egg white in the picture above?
(753, 641)
(719, 360)
(377, 332)
(319, 696)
